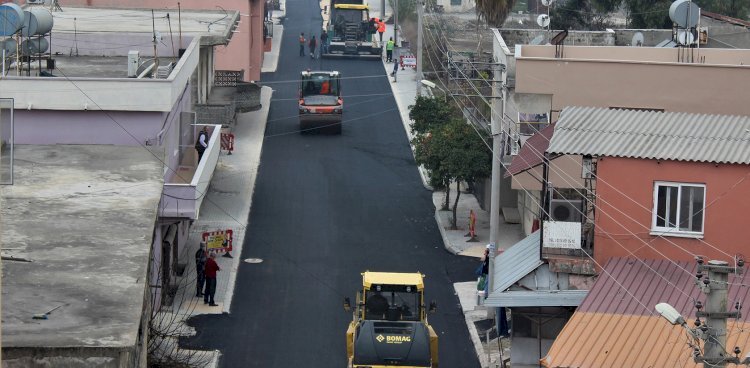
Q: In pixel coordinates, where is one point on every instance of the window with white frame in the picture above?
(678, 208)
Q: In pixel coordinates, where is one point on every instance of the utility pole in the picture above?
(395, 24)
(382, 10)
(713, 331)
(420, 13)
(497, 154)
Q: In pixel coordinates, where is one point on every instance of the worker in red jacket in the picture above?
(210, 271)
(381, 29)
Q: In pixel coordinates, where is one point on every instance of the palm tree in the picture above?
(494, 12)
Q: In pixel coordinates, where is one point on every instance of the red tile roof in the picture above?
(724, 18)
(532, 152)
(617, 325)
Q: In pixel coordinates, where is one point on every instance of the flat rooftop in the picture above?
(95, 42)
(84, 215)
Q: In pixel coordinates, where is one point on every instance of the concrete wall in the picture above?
(616, 233)
(86, 127)
(604, 77)
(117, 94)
(245, 50)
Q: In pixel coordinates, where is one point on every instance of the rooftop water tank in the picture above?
(11, 19)
(9, 45)
(38, 22)
(34, 46)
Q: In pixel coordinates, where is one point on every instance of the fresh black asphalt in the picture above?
(325, 209)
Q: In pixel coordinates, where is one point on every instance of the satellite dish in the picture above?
(685, 37)
(685, 13)
(537, 40)
(542, 20)
(547, 2)
(637, 39)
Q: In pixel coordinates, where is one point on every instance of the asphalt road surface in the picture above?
(325, 209)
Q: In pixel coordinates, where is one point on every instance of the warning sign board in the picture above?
(220, 240)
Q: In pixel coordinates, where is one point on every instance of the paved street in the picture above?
(326, 208)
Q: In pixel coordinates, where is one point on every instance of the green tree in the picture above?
(462, 154)
(732, 8)
(494, 12)
(428, 115)
(467, 158)
(648, 13)
(429, 112)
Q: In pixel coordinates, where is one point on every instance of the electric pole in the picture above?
(382, 10)
(497, 154)
(420, 13)
(395, 24)
(713, 331)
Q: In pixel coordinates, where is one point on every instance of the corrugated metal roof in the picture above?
(617, 325)
(516, 262)
(538, 298)
(532, 152)
(652, 135)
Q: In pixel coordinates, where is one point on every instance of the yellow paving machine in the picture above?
(389, 326)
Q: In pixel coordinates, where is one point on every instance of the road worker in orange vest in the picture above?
(381, 29)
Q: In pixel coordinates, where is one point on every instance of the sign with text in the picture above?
(561, 234)
(218, 240)
(408, 61)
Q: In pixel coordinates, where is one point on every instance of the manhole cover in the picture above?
(253, 260)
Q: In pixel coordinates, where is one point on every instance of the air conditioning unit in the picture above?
(566, 210)
(163, 72)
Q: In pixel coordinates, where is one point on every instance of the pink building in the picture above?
(244, 53)
(664, 185)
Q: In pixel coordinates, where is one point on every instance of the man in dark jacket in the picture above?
(313, 44)
(201, 143)
(200, 269)
(324, 42)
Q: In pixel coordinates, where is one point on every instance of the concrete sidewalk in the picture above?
(227, 206)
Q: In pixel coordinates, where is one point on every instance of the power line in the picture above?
(604, 182)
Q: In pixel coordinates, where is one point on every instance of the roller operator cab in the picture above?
(320, 103)
(351, 31)
(389, 326)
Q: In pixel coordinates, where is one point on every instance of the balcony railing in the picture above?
(184, 193)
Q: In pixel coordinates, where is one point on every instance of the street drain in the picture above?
(253, 260)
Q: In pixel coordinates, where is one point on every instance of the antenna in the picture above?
(543, 20)
(637, 39)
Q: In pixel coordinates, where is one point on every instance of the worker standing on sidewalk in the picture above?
(200, 269)
(211, 268)
(381, 30)
(389, 50)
